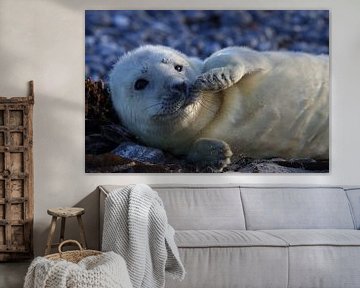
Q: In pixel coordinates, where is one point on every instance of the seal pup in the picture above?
(238, 102)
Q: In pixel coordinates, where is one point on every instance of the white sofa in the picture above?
(235, 236)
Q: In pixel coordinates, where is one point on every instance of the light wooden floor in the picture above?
(12, 274)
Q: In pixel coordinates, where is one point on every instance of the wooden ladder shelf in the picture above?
(16, 177)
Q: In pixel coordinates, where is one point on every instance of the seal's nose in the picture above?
(180, 87)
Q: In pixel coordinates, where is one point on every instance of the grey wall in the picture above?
(43, 40)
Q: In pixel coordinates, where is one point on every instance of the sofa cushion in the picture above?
(223, 267)
(327, 258)
(354, 198)
(324, 266)
(226, 238)
(191, 208)
(317, 237)
(199, 207)
(296, 208)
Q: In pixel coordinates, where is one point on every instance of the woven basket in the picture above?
(72, 256)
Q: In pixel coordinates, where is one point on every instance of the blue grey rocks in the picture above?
(139, 153)
(109, 34)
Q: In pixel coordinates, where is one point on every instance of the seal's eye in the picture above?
(140, 84)
(178, 68)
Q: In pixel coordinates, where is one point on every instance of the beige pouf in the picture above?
(81, 269)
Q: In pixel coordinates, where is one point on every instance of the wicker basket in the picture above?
(72, 256)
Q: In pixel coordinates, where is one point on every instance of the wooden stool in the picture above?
(64, 213)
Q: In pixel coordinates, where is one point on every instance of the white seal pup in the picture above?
(238, 102)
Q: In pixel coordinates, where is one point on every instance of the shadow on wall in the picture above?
(8, 60)
(58, 120)
(58, 150)
(59, 144)
(13, 64)
(91, 217)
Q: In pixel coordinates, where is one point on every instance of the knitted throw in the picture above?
(136, 227)
(102, 271)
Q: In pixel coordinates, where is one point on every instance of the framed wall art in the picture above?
(207, 91)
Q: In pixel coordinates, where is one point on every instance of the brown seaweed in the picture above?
(104, 133)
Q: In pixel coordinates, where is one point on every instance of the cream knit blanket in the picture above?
(103, 271)
(136, 227)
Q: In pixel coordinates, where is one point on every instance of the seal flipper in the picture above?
(218, 79)
(227, 67)
(212, 153)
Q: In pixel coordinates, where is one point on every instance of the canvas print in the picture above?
(207, 91)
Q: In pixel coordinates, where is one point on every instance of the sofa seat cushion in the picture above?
(226, 238)
(231, 258)
(322, 258)
(317, 237)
